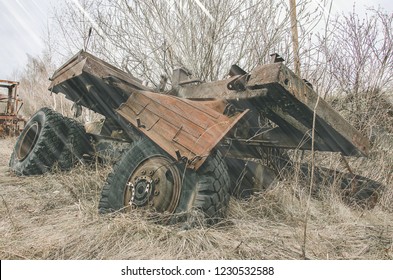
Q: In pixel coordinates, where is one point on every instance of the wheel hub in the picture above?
(154, 184)
(141, 191)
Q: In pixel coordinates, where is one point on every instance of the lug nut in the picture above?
(156, 180)
(151, 172)
(143, 172)
(156, 192)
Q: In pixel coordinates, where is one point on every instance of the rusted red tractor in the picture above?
(11, 123)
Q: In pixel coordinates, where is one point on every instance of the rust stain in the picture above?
(183, 128)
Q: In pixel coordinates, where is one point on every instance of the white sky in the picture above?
(23, 24)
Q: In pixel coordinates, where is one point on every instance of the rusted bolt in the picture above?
(138, 122)
(151, 172)
(143, 172)
(156, 192)
(156, 180)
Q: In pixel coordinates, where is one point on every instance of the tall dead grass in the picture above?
(54, 216)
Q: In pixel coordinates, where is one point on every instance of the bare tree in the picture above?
(356, 65)
(359, 52)
(150, 38)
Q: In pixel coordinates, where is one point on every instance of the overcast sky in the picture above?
(23, 24)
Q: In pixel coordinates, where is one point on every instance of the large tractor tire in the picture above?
(76, 145)
(148, 178)
(354, 189)
(39, 145)
(361, 191)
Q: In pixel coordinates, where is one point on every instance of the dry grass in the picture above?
(55, 217)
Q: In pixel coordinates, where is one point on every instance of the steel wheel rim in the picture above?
(155, 184)
(28, 139)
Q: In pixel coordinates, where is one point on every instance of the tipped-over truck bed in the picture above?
(192, 118)
(186, 149)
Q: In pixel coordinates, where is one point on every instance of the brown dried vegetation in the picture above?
(55, 216)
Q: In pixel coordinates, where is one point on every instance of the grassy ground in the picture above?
(55, 216)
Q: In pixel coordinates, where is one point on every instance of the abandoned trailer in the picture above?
(191, 147)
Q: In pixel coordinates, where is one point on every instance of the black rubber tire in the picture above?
(354, 189)
(212, 189)
(38, 156)
(359, 190)
(76, 145)
(205, 190)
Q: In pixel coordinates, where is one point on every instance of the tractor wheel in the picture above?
(353, 189)
(77, 144)
(146, 177)
(358, 190)
(39, 144)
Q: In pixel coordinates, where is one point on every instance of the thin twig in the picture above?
(311, 180)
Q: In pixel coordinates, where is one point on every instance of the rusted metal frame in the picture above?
(298, 117)
(325, 113)
(276, 138)
(10, 117)
(183, 128)
(326, 138)
(14, 96)
(84, 79)
(88, 63)
(235, 149)
(281, 82)
(8, 83)
(173, 119)
(146, 103)
(292, 133)
(108, 148)
(294, 121)
(64, 68)
(216, 90)
(289, 135)
(272, 82)
(220, 89)
(102, 69)
(70, 71)
(93, 93)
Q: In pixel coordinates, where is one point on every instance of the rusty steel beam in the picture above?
(293, 100)
(84, 62)
(8, 83)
